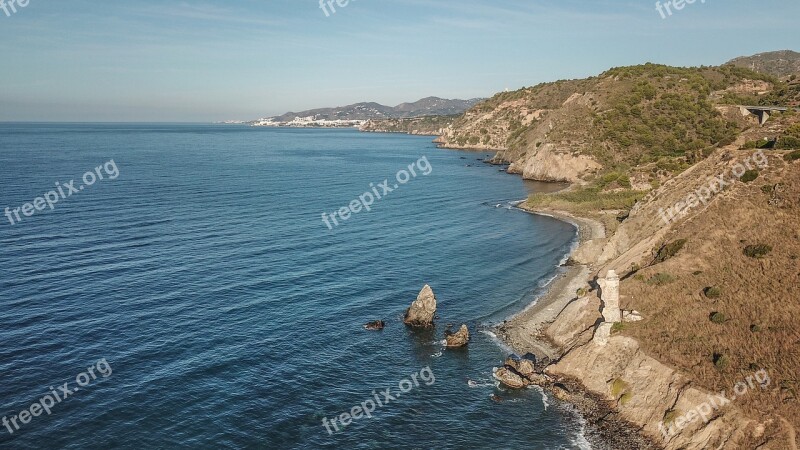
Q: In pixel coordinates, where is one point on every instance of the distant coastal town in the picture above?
(307, 122)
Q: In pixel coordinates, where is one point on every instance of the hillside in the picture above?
(429, 106)
(649, 122)
(714, 275)
(427, 125)
(782, 63)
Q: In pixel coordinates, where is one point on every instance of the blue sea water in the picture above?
(230, 316)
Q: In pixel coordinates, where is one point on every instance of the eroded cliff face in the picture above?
(548, 164)
(544, 137)
(658, 399)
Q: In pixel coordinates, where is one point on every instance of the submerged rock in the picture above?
(422, 310)
(458, 339)
(375, 325)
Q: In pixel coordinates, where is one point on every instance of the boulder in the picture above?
(509, 378)
(561, 393)
(631, 316)
(523, 367)
(458, 339)
(422, 310)
(375, 325)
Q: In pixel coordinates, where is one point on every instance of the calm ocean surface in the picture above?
(231, 316)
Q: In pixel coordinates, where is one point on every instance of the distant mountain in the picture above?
(780, 64)
(430, 106)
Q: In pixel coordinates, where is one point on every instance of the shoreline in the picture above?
(522, 331)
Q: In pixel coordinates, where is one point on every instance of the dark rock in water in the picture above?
(458, 339)
(376, 325)
(463, 157)
(421, 313)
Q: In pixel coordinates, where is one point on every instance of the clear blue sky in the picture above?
(170, 60)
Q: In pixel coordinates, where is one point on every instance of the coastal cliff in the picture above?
(705, 293)
(695, 204)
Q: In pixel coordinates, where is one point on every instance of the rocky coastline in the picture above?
(525, 334)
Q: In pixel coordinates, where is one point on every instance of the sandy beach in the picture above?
(522, 332)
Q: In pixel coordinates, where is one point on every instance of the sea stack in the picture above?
(458, 339)
(420, 314)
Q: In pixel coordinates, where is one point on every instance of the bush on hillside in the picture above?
(757, 251)
(669, 250)
(749, 176)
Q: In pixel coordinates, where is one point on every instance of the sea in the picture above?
(169, 286)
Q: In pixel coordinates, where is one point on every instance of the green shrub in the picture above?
(767, 189)
(667, 251)
(712, 292)
(749, 176)
(794, 156)
(757, 251)
(717, 317)
(591, 199)
(660, 279)
(788, 142)
(721, 361)
(755, 328)
(617, 327)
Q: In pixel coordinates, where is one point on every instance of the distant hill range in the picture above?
(430, 106)
(781, 64)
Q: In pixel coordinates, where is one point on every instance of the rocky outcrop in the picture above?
(458, 339)
(509, 378)
(422, 311)
(519, 372)
(547, 164)
(376, 325)
(655, 397)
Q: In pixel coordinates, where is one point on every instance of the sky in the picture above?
(202, 61)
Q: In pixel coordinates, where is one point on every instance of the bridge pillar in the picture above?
(763, 116)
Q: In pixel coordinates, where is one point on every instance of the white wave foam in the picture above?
(545, 399)
(497, 341)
